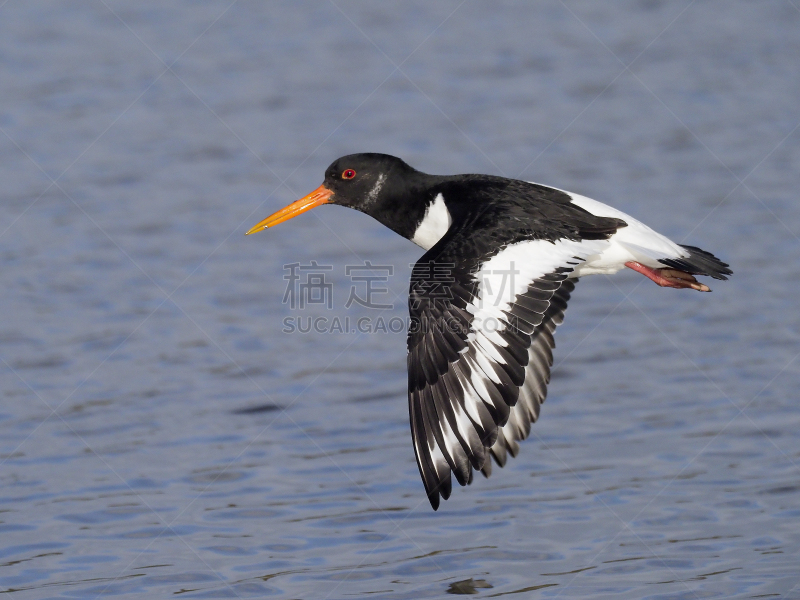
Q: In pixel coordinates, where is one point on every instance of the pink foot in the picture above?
(668, 277)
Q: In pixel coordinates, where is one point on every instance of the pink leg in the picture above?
(668, 277)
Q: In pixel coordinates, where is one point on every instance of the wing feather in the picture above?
(478, 373)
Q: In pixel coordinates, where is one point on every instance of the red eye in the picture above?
(348, 174)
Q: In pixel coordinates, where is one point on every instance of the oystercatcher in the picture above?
(502, 258)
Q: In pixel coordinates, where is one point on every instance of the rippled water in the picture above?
(159, 433)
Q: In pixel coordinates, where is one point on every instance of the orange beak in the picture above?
(321, 195)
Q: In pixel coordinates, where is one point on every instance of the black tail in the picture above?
(699, 262)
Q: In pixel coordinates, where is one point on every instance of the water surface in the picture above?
(160, 435)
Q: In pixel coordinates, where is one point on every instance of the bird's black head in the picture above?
(375, 184)
(362, 181)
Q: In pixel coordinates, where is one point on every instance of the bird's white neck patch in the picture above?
(434, 224)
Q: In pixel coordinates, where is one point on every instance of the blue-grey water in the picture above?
(160, 434)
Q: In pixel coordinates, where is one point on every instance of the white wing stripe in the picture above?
(510, 271)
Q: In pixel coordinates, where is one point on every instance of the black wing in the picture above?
(479, 363)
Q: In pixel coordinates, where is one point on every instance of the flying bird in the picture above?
(502, 257)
